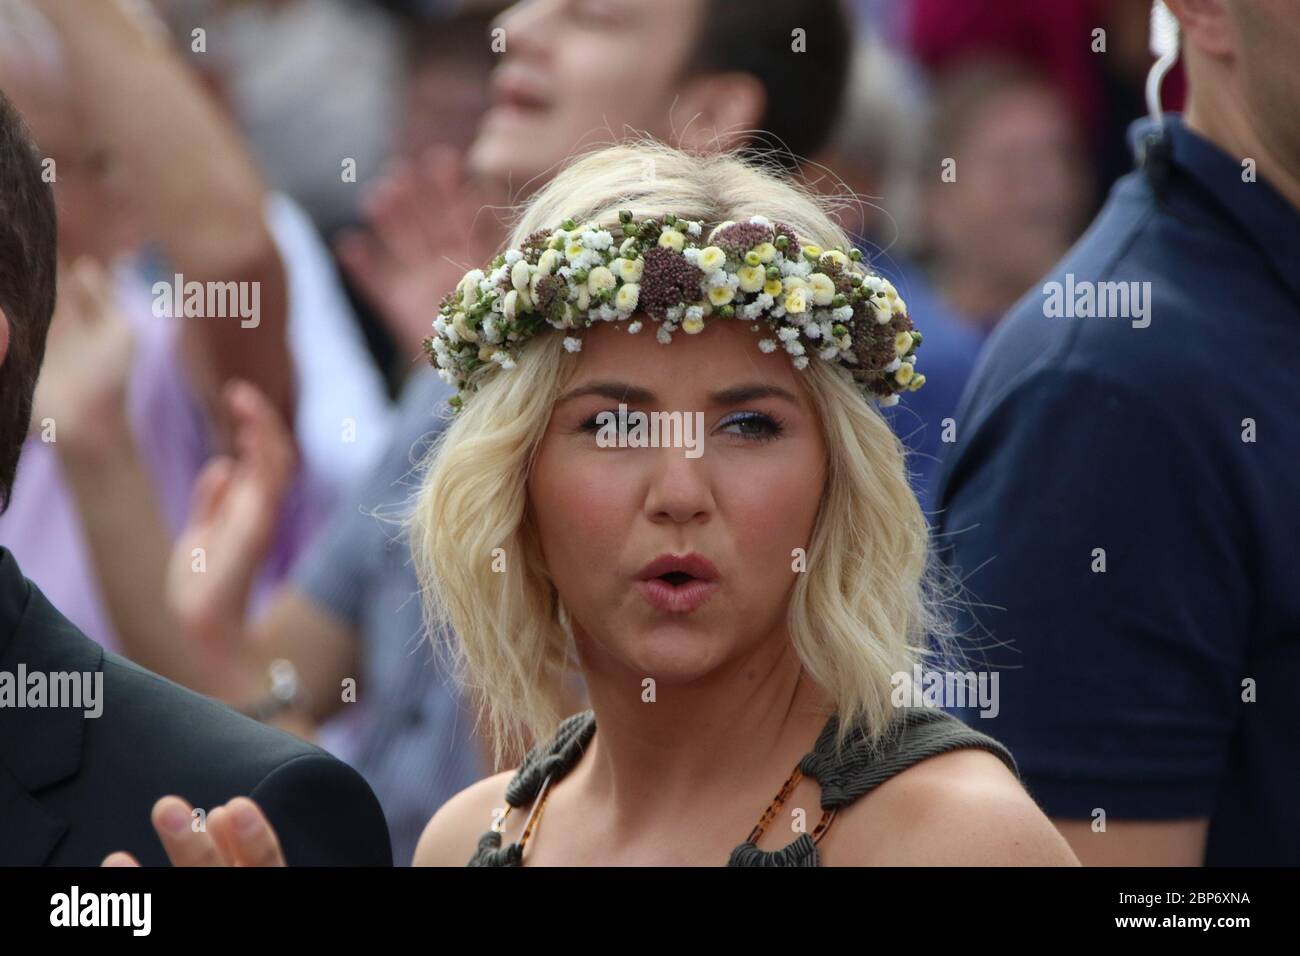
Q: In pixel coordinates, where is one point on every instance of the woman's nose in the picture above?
(680, 488)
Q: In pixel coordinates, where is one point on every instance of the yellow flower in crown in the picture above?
(796, 296)
(752, 278)
(672, 239)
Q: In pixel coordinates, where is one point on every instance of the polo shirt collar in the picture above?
(1263, 214)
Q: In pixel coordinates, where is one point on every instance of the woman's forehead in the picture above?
(724, 354)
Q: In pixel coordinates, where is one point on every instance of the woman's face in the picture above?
(744, 502)
(574, 69)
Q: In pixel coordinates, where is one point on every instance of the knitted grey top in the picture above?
(917, 733)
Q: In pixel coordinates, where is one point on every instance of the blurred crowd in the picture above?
(350, 159)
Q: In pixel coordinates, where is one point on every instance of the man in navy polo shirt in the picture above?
(1123, 494)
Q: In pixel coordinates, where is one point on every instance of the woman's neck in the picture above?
(699, 745)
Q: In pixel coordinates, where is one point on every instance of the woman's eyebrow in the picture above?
(618, 391)
(635, 395)
(749, 391)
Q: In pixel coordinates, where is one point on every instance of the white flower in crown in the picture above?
(520, 274)
(548, 261)
(600, 279)
(884, 311)
(823, 288)
(625, 299)
(628, 270)
(460, 323)
(711, 260)
(469, 288)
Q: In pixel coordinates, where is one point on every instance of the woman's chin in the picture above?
(673, 654)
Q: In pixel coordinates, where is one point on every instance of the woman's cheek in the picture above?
(588, 516)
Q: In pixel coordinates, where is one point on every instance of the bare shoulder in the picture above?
(451, 836)
(961, 808)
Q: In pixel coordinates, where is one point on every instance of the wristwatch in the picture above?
(284, 692)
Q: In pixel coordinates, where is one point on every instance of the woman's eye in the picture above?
(753, 425)
(593, 424)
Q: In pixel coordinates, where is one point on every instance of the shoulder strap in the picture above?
(554, 758)
(917, 734)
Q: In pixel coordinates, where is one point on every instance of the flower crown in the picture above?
(813, 300)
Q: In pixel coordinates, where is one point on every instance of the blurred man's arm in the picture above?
(181, 609)
(195, 185)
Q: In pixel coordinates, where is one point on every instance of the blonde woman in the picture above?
(739, 601)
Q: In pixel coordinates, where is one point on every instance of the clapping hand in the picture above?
(234, 834)
(428, 227)
(231, 525)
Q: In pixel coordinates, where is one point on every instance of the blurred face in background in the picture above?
(577, 71)
(94, 217)
(1021, 192)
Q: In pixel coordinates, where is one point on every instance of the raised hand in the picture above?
(234, 834)
(88, 353)
(231, 525)
(429, 225)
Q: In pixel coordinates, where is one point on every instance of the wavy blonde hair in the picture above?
(857, 617)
